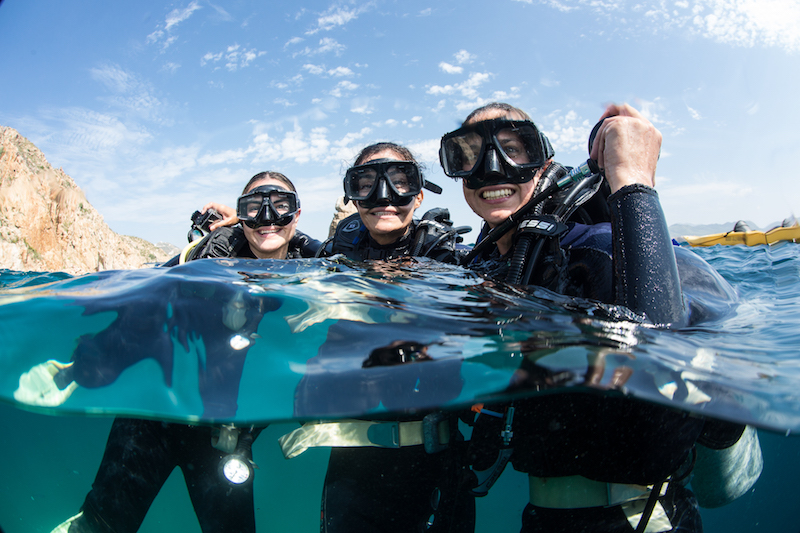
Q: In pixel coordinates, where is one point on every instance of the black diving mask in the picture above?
(385, 182)
(494, 151)
(267, 205)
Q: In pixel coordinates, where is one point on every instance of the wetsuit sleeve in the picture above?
(645, 271)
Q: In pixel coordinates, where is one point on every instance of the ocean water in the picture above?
(746, 360)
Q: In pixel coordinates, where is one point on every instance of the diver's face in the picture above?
(388, 223)
(270, 242)
(497, 201)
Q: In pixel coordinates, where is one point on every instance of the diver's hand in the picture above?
(229, 217)
(627, 147)
(38, 385)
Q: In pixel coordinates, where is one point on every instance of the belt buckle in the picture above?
(384, 434)
(430, 431)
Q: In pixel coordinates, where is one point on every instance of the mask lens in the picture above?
(282, 203)
(461, 152)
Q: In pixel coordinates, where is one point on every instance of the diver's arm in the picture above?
(627, 146)
(645, 271)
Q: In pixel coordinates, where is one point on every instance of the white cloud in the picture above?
(293, 40)
(750, 22)
(130, 94)
(235, 57)
(300, 147)
(210, 57)
(176, 16)
(467, 89)
(336, 16)
(314, 69)
(170, 67)
(114, 78)
(744, 23)
(326, 45)
(425, 12)
(566, 131)
(319, 70)
(694, 113)
(450, 69)
(362, 106)
(463, 57)
(340, 72)
(426, 151)
(344, 86)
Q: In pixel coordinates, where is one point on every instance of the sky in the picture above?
(156, 108)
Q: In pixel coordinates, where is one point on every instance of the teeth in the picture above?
(500, 193)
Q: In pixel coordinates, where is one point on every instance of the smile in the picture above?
(499, 193)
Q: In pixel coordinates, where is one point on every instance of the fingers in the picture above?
(228, 214)
(626, 146)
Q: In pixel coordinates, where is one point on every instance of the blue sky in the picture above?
(155, 109)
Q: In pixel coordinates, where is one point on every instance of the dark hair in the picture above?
(497, 106)
(269, 174)
(373, 149)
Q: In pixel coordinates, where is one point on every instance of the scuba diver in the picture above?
(377, 482)
(216, 462)
(385, 184)
(597, 462)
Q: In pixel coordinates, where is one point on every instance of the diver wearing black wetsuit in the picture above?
(594, 440)
(592, 458)
(413, 483)
(141, 454)
(407, 489)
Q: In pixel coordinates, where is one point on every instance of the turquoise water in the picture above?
(747, 362)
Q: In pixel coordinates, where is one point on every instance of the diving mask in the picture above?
(385, 182)
(267, 205)
(509, 151)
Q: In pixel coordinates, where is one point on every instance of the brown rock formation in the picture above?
(46, 223)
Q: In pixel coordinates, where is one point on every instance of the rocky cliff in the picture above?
(46, 223)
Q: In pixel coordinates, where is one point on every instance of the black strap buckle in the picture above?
(547, 225)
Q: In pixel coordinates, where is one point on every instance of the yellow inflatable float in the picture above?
(742, 234)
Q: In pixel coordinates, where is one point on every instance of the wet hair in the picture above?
(269, 174)
(373, 149)
(496, 106)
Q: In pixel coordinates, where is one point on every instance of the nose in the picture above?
(382, 192)
(492, 165)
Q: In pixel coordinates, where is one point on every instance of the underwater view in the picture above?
(332, 339)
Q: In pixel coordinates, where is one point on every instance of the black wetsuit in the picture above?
(141, 454)
(380, 490)
(603, 437)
